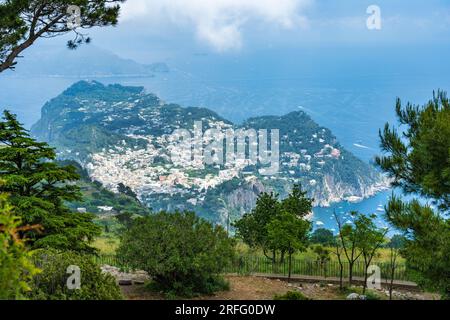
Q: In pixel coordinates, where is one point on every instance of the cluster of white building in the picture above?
(137, 169)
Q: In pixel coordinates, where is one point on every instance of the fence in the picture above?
(247, 265)
(252, 265)
(112, 260)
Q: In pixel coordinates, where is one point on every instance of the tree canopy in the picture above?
(266, 227)
(418, 160)
(183, 253)
(323, 236)
(370, 239)
(39, 189)
(288, 233)
(22, 22)
(252, 227)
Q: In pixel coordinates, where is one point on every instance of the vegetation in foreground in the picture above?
(418, 159)
(259, 288)
(51, 282)
(185, 254)
(189, 254)
(35, 218)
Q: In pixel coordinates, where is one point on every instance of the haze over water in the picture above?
(345, 77)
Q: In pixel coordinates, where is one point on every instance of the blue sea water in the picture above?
(324, 216)
(351, 100)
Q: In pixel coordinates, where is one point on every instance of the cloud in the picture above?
(220, 23)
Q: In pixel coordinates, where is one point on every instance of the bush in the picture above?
(291, 295)
(16, 269)
(51, 283)
(370, 294)
(323, 236)
(183, 253)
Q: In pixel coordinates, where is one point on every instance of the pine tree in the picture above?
(418, 160)
(22, 22)
(39, 190)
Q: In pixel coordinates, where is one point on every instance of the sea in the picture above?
(351, 98)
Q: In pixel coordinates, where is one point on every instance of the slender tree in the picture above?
(394, 245)
(288, 233)
(338, 250)
(370, 240)
(350, 243)
(23, 22)
(39, 190)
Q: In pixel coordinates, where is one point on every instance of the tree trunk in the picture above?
(366, 266)
(393, 267)
(391, 285)
(350, 273)
(274, 262)
(365, 281)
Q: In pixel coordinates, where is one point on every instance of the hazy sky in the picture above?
(162, 30)
(236, 26)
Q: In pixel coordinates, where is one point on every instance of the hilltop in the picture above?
(122, 135)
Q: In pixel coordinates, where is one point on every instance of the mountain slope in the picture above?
(85, 61)
(123, 135)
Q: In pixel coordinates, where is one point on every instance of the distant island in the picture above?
(120, 135)
(84, 62)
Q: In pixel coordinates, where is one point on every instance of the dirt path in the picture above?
(260, 288)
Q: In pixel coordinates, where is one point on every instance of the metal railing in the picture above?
(247, 265)
(305, 267)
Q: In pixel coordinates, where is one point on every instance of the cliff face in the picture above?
(123, 135)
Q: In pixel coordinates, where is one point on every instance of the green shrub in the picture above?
(16, 269)
(51, 283)
(183, 253)
(291, 295)
(370, 294)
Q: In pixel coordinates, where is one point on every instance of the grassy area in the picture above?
(249, 261)
(106, 244)
(381, 257)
